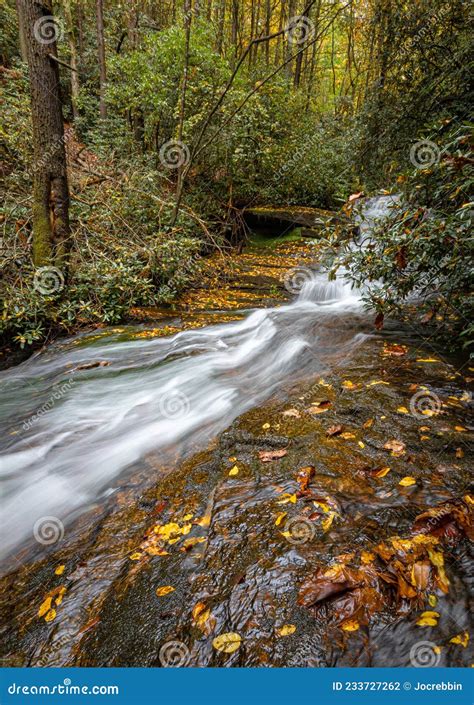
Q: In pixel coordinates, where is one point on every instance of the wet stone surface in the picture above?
(328, 527)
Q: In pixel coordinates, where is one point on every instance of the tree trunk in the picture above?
(101, 51)
(73, 52)
(50, 187)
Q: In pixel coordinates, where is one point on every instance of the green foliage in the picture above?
(423, 252)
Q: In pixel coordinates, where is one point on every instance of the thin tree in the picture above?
(101, 53)
(50, 185)
(71, 36)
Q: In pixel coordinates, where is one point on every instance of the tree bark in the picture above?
(101, 52)
(50, 186)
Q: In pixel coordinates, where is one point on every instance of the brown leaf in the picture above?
(378, 323)
(267, 456)
(397, 447)
(401, 257)
(334, 430)
(304, 476)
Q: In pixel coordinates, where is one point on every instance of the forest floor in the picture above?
(325, 527)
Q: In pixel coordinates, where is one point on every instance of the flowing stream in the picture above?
(70, 429)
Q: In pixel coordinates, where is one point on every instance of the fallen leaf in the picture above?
(367, 557)
(189, 543)
(156, 551)
(432, 600)
(378, 323)
(334, 430)
(347, 435)
(165, 590)
(286, 629)
(136, 556)
(368, 423)
(267, 456)
(234, 471)
(320, 407)
(203, 618)
(45, 607)
(382, 472)
(397, 447)
(59, 570)
(361, 444)
(350, 625)
(292, 413)
(327, 522)
(304, 477)
(347, 384)
(403, 410)
(459, 453)
(407, 481)
(280, 517)
(204, 522)
(266, 426)
(50, 616)
(462, 639)
(461, 429)
(228, 643)
(285, 498)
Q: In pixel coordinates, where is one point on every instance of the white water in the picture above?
(155, 395)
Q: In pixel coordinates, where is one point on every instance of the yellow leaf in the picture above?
(346, 435)
(186, 528)
(187, 543)
(427, 622)
(377, 381)
(427, 359)
(228, 643)
(367, 557)
(136, 556)
(45, 607)
(382, 472)
(167, 530)
(432, 600)
(323, 506)
(234, 471)
(368, 423)
(156, 551)
(60, 596)
(360, 444)
(165, 590)
(286, 629)
(232, 459)
(50, 616)
(403, 410)
(280, 517)
(59, 570)
(347, 384)
(407, 481)
(266, 426)
(430, 613)
(462, 639)
(327, 522)
(204, 522)
(287, 498)
(187, 517)
(460, 429)
(172, 541)
(350, 625)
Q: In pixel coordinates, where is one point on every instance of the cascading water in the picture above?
(69, 434)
